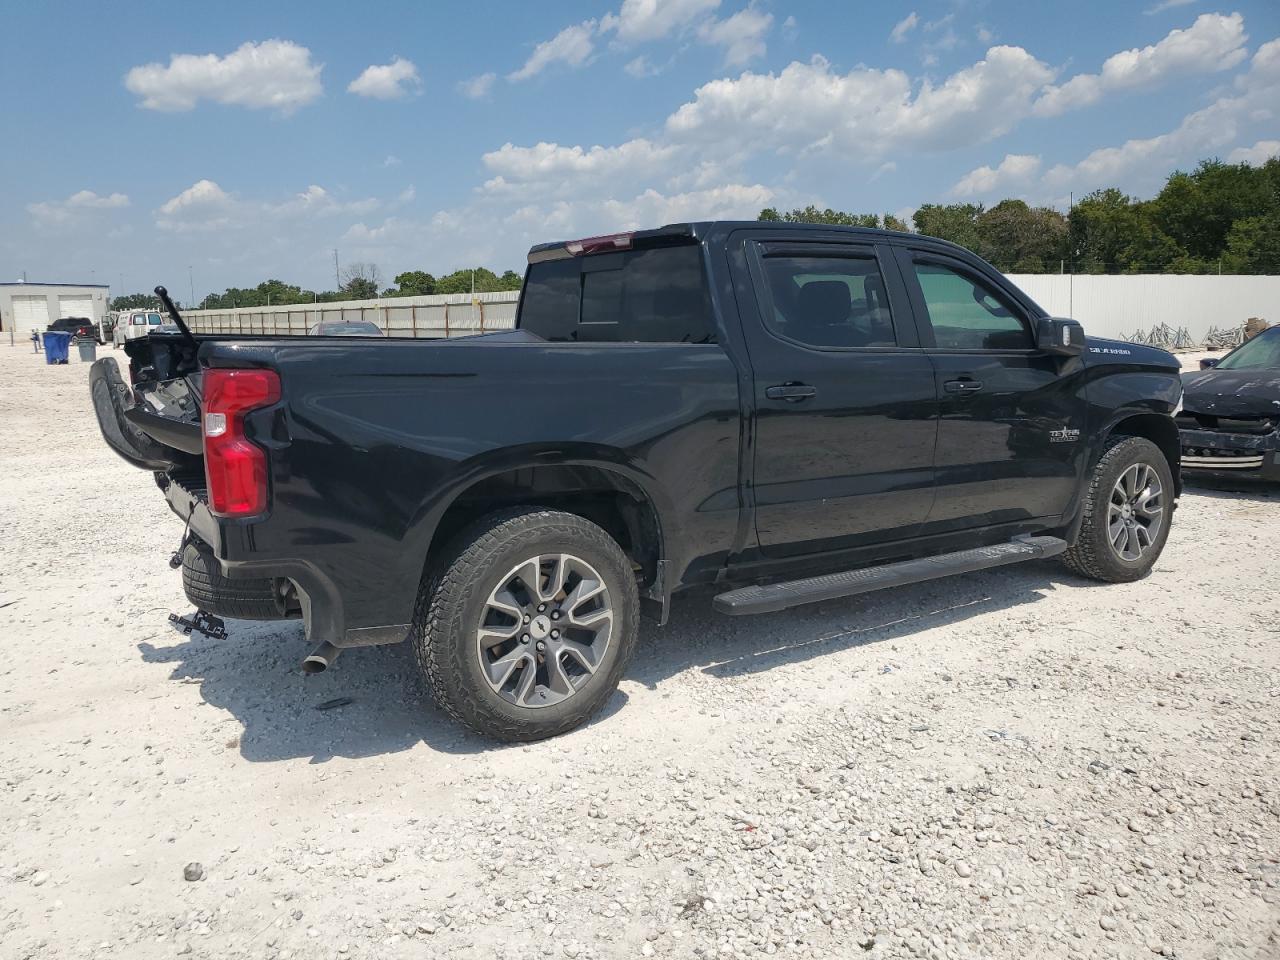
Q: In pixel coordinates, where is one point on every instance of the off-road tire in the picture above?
(210, 591)
(1092, 555)
(453, 594)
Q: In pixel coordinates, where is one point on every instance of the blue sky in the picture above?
(251, 140)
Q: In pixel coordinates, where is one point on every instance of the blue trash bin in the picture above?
(56, 346)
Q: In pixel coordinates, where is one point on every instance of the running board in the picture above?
(780, 596)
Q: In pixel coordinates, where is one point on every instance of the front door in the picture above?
(845, 403)
(1011, 441)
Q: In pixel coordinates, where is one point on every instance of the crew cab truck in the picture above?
(793, 413)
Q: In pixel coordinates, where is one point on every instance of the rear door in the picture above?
(1010, 445)
(845, 403)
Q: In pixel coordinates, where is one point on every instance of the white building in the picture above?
(33, 306)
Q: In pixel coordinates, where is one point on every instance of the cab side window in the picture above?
(828, 300)
(967, 314)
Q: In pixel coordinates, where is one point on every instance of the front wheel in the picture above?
(1127, 509)
(526, 630)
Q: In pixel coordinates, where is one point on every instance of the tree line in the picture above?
(359, 281)
(1219, 218)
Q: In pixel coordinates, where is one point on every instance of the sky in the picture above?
(211, 146)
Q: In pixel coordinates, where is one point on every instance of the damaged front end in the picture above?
(1235, 447)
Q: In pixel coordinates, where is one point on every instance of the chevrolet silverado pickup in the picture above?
(790, 413)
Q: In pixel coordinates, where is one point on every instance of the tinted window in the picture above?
(828, 301)
(153, 319)
(639, 296)
(966, 314)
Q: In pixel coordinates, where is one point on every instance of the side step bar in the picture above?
(780, 596)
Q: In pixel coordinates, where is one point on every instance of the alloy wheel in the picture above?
(544, 630)
(1135, 512)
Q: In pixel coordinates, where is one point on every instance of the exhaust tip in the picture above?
(320, 659)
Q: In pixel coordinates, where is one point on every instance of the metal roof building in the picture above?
(33, 306)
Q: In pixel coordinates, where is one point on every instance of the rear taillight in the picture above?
(235, 467)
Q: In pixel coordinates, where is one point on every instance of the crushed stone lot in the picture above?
(1014, 764)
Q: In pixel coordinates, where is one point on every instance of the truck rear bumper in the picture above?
(323, 610)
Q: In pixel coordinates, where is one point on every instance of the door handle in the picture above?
(791, 392)
(962, 386)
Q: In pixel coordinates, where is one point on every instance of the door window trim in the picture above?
(760, 249)
(908, 257)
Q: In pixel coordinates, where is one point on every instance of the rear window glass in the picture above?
(639, 296)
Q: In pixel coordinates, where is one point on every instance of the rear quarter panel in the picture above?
(374, 440)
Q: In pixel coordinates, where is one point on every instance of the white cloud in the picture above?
(391, 161)
(638, 21)
(741, 35)
(205, 207)
(561, 169)
(50, 212)
(1210, 128)
(390, 81)
(202, 206)
(903, 27)
(1213, 43)
(1257, 155)
(1015, 169)
(572, 46)
(1167, 5)
(640, 67)
(276, 74)
(808, 106)
(477, 88)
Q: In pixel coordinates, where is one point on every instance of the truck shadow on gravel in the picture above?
(372, 701)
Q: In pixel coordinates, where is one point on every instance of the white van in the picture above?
(132, 324)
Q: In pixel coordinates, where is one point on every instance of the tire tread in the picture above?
(439, 607)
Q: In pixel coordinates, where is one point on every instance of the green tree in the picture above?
(413, 283)
(1253, 246)
(812, 214)
(1198, 209)
(135, 301)
(1017, 238)
(957, 222)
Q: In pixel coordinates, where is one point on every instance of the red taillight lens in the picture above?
(235, 467)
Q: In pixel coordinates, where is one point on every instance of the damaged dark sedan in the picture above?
(1230, 420)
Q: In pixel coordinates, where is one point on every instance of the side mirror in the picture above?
(1208, 362)
(1059, 336)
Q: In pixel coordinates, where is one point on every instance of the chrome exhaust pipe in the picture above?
(321, 658)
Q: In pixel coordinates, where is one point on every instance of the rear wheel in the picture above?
(526, 629)
(1127, 509)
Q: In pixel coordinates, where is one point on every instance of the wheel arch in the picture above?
(598, 485)
(1161, 430)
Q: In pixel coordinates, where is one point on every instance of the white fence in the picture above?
(1108, 306)
(449, 315)
(1116, 306)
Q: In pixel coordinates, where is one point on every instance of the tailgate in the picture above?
(160, 433)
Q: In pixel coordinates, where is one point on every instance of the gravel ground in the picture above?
(1015, 763)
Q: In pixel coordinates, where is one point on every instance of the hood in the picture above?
(1232, 393)
(1098, 350)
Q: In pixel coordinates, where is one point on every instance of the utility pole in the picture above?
(337, 281)
(191, 280)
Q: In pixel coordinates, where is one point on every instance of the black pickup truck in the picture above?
(793, 413)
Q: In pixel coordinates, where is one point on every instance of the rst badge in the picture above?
(1064, 435)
